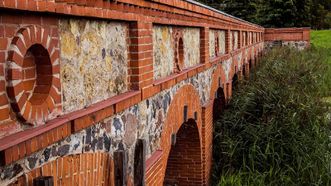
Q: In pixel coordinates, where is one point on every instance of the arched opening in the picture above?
(250, 64)
(184, 166)
(251, 68)
(180, 55)
(37, 74)
(234, 82)
(139, 160)
(243, 71)
(219, 103)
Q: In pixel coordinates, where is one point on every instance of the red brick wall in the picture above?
(83, 169)
(25, 132)
(287, 34)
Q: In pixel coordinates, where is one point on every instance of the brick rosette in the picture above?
(33, 84)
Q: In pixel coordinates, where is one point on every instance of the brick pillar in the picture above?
(4, 106)
(247, 68)
(228, 41)
(204, 45)
(306, 35)
(207, 141)
(141, 52)
(240, 39)
(228, 91)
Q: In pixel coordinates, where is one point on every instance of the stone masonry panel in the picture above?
(94, 61)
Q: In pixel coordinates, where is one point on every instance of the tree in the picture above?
(278, 13)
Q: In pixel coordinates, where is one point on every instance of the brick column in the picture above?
(204, 45)
(306, 35)
(4, 106)
(240, 39)
(141, 52)
(228, 46)
(207, 141)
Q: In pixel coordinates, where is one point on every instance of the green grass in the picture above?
(321, 42)
(276, 128)
(321, 39)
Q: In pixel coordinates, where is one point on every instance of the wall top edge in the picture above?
(287, 29)
(221, 12)
(107, 9)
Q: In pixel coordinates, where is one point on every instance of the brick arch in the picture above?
(219, 103)
(219, 79)
(80, 169)
(185, 96)
(233, 70)
(234, 81)
(184, 165)
(33, 84)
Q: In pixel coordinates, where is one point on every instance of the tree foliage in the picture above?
(278, 13)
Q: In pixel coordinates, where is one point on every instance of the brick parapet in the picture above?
(183, 13)
(287, 34)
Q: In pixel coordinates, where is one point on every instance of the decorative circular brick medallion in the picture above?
(33, 75)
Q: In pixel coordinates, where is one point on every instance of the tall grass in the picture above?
(275, 131)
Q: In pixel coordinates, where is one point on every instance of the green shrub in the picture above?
(275, 130)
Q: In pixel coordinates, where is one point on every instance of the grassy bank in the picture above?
(275, 130)
(321, 39)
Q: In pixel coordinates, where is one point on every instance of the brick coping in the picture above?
(126, 10)
(25, 135)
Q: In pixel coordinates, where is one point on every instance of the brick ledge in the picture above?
(25, 135)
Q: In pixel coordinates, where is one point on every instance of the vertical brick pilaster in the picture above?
(240, 39)
(204, 45)
(207, 141)
(246, 38)
(228, 37)
(141, 55)
(306, 35)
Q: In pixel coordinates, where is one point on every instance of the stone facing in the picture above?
(191, 38)
(215, 35)
(163, 51)
(300, 45)
(94, 61)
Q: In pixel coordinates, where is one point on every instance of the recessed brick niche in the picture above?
(33, 84)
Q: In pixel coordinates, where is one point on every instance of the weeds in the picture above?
(275, 131)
